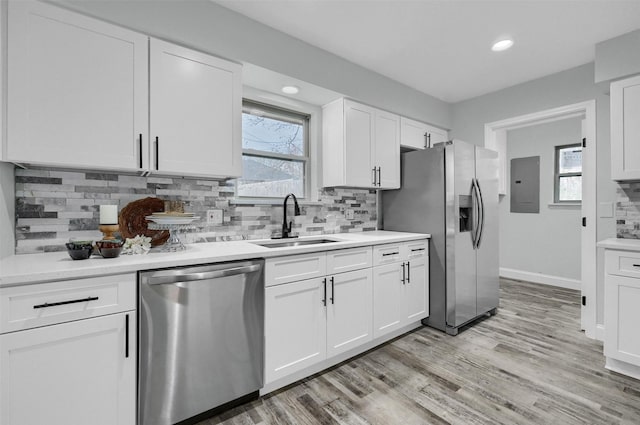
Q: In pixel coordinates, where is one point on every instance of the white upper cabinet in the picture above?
(625, 129)
(78, 90)
(361, 146)
(196, 110)
(418, 135)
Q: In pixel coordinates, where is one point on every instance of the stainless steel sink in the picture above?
(294, 242)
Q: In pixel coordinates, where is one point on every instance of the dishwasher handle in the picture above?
(172, 277)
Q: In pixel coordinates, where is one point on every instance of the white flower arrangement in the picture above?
(137, 245)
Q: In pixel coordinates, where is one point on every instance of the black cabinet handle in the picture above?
(636, 265)
(403, 274)
(126, 336)
(417, 249)
(379, 177)
(157, 153)
(333, 292)
(324, 299)
(429, 139)
(389, 253)
(140, 150)
(83, 300)
(426, 140)
(374, 176)
(408, 272)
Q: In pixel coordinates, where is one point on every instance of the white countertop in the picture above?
(621, 244)
(36, 268)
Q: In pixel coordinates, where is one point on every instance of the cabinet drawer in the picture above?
(415, 250)
(295, 267)
(623, 263)
(346, 260)
(386, 254)
(31, 306)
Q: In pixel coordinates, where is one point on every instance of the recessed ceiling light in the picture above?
(501, 45)
(290, 89)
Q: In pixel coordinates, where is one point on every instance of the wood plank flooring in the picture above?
(530, 364)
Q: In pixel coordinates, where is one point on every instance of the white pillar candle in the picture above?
(108, 214)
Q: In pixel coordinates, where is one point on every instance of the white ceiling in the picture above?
(442, 47)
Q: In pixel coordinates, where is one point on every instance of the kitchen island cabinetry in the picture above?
(621, 312)
(625, 129)
(62, 367)
(361, 146)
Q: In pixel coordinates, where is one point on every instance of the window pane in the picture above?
(570, 160)
(272, 135)
(269, 177)
(570, 188)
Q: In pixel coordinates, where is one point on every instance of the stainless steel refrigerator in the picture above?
(451, 192)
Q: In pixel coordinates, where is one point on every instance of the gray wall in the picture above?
(563, 88)
(206, 26)
(618, 57)
(554, 233)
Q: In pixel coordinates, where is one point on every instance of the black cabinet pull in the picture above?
(384, 254)
(83, 300)
(126, 336)
(157, 153)
(636, 265)
(417, 249)
(379, 177)
(324, 299)
(333, 292)
(429, 139)
(403, 275)
(374, 176)
(408, 272)
(140, 150)
(426, 140)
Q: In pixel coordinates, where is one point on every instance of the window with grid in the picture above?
(275, 152)
(568, 173)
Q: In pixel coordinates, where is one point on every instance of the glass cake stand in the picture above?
(174, 243)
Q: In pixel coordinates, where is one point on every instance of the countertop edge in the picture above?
(620, 244)
(27, 269)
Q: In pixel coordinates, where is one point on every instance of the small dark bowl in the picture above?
(109, 249)
(79, 252)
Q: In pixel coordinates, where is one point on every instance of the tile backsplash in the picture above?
(628, 211)
(53, 206)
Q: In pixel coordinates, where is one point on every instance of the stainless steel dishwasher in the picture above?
(201, 339)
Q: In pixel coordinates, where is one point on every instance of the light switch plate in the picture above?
(605, 209)
(215, 216)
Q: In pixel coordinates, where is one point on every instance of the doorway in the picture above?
(496, 139)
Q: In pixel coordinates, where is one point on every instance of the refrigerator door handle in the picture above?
(475, 212)
(481, 227)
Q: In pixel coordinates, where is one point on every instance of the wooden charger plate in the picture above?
(132, 220)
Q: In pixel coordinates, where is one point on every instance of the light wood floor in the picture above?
(530, 364)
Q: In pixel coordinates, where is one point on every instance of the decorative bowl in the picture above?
(79, 251)
(109, 249)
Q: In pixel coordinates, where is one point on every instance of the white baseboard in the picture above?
(544, 279)
(600, 332)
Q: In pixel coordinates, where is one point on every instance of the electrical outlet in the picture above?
(214, 216)
(350, 214)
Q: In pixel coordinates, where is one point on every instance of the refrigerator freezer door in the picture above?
(461, 255)
(487, 253)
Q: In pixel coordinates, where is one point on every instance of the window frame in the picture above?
(275, 111)
(558, 175)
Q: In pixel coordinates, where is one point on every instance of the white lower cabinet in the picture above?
(400, 286)
(75, 373)
(295, 327)
(349, 307)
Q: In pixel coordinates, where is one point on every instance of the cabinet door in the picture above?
(72, 373)
(349, 315)
(388, 298)
(621, 318)
(416, 290)
(78, 90)
(196, 110)
(436, 135)
(359, 131)
(413, 134)
(295, 327)
(625, 129)
(387, 150)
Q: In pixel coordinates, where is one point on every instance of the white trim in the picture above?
(567, 205)
(545, 279)
(495, 138)
(600, 332)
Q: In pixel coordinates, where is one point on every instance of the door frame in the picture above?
(495, 137)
